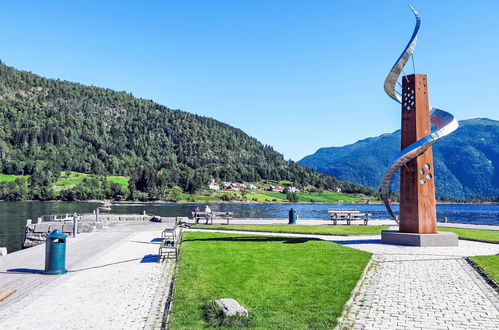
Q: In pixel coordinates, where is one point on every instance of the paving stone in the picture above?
(427, 288)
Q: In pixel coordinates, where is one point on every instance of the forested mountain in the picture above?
(466, 162)
(50, 125)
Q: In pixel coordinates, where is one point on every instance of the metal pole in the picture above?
(75, 224)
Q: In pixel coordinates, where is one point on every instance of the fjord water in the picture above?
(13, 215)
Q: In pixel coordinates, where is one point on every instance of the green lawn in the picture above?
(121, 180)
(483, 235)
(489, 264)
(73, 179)
(331, 197)
(285, 283)
(326, 229)
(11, 177)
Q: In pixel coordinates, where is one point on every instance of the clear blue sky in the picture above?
(297, 75)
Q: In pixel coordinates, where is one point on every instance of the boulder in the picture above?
(231, 307)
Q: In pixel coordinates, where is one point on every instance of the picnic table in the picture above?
(209, 216)
(348, 215)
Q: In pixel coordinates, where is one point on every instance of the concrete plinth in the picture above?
(414, 239)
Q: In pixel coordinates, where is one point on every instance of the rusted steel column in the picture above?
(417, 188)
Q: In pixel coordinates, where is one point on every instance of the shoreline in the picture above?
(117, 203)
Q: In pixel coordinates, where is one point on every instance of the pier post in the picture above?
(75, 224)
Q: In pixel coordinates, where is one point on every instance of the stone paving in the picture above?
(427, 288)
(121, 289)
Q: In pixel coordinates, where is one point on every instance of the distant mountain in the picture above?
(466, 162)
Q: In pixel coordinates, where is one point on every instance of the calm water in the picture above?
(13, 215)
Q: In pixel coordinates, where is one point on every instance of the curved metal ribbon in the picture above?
(442, 120)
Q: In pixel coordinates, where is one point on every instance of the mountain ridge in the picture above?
(466, 162)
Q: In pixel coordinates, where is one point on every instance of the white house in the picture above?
(213, 185)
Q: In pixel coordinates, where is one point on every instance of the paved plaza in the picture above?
(123, 287)
(114, 282)
(423, 288)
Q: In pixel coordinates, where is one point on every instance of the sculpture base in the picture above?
(415, 239)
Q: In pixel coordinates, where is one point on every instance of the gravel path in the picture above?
(117, 290)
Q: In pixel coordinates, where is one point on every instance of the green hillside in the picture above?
(48, 126)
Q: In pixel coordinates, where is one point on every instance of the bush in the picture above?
(292, 197)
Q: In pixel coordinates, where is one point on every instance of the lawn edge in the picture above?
(355, 292)
(488, 279)
(280, 232)
(478, 240)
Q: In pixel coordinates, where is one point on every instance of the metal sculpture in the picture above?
(444, 122)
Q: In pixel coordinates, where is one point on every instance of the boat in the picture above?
(106, 207)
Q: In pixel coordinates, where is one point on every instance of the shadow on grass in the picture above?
(257, 239)
(359, 241)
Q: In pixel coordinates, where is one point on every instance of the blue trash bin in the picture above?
(55, 253)
(292, 217)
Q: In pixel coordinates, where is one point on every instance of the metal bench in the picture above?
(166, 248)
(171, 237)
(348, 215)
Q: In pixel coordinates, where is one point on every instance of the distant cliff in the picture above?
(466, 162)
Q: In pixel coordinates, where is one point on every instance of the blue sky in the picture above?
(297, 75)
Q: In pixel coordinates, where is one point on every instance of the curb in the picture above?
(490, 281)
(348, 305)
(479, 240)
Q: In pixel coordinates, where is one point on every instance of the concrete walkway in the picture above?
(115, 284)
(417, 287)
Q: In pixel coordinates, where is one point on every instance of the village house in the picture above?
(213, 185)
(235, 186)
(293, 190)
(276, 188)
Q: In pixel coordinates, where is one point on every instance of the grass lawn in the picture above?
(121, 180)
(285, 283)
(331, 197)
(489, 264)
(11, 177)
(73, 179)
(330, 230)
(480, 234)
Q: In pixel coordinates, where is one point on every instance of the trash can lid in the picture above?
(57, 234)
